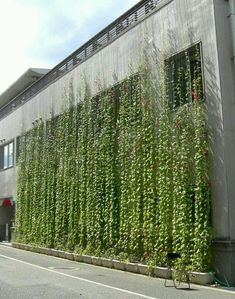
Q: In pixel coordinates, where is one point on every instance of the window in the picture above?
(7, 155)
(184, 76)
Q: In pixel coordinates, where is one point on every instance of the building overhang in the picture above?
(24, 81)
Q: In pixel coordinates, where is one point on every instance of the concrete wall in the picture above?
(224, 203)
(227, 84)
(169, 30)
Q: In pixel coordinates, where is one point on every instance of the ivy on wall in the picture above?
(120, 174)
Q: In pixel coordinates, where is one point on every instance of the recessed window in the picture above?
(7, 155)
(184, 75)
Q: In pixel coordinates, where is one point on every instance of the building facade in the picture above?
(165, 28)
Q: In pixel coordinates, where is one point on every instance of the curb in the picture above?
(6, 244)
(160, 272)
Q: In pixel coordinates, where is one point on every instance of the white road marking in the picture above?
(79, 278)
(143, 276)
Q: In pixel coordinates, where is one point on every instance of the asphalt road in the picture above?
(28, 275)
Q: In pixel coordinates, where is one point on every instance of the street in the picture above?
(29, 275)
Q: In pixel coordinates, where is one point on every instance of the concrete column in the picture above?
(224, 206)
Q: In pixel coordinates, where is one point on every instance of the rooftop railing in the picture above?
(100, 40)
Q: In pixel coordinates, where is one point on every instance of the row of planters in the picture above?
(161, 272)
(120, 174)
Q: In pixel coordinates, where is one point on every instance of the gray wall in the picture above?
(169, 30)
(223, 188)
(227, 88)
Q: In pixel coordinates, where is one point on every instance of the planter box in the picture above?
(40, 250)
(33, 249)
(78, 257)
(132, 267)
(162, 272)
(87, 259)
(23, 246)
(15, 245)
(202, 278)
(55, 252)
(107, 263)
(69, 256)
(119, 265)
(26, 247)
(47, 251)
(61, 254)
(143, 269)
(96, 261)
(44, 250)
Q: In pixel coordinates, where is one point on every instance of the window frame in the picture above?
(9, 149)
(169, 74)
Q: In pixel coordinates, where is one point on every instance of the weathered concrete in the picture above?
(223, 205)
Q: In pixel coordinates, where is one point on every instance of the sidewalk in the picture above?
(5, 243)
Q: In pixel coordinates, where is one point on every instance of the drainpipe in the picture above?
(232, 24)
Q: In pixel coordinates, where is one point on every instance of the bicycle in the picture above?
(178, 275)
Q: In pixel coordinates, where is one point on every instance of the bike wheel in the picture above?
(177, 277)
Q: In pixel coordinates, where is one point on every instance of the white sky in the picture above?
(41, 33)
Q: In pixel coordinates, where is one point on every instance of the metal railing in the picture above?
(100, 40)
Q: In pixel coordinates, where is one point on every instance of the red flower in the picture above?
(195, 95)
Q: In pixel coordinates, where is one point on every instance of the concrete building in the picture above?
(8, 151)
(167, 27)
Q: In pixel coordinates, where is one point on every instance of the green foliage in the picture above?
(120, 174)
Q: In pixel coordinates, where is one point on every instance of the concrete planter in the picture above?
(162, 272)
(96, 261)
(132, 267)
(107, 263)
(39, 250)
(43, 250)
(143, 269)
(87, 259)
(78, 257)
(61, 254)
(34, 249)
(15, 245)
(119, 265)
(23, 246)
(202, 278)
(47, 251)
(26, 247)
(55, 252)
(69, 256)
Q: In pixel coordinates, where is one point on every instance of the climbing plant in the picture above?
(122, 173)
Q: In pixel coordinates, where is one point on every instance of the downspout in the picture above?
(232, 24)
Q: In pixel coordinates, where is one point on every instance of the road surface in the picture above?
(28, 275)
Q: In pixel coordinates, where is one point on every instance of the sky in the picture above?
(41, 33)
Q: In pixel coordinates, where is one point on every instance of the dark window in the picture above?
(184, 76)
(7, 155)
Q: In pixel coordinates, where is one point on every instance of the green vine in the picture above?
(122, 173)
